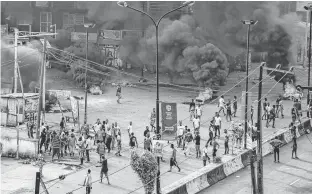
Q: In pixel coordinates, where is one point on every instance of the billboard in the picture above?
(110, 34)
(81, 36)
(169, 120)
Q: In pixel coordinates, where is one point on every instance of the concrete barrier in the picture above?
(213, 173)
(27, 147)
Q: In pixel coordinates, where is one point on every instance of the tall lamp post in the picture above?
(87, 26)
(156, 24)
(249, 23)
(309, 8)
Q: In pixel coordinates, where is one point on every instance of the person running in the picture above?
(147, 142)
(197, 144)
(88, 182)
(104, 169)
(228, 111)
(133, 141)
(221, 105)
(215, 144)
(173, 159)
(153, 120)
(198, 112)
(294, 148)
(180, 134)
(118, 93)
(210, 137)
(217, 124)
(130, 130)
(56, 144)
(118, 144)
(205, 155)
(276, 152)
(234, 106)
(192, 110)
(188, 140)
(265, 109)
(226, 142)
(196, 124)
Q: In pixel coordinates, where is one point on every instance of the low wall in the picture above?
(27, 147)
(213, 173)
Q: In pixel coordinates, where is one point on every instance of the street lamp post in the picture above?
(309, 8)
(87, 26)
(249, 23)
(156, 24)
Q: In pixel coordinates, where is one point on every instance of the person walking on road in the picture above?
(294, 148)
(198, 111)
(226, 142)
(118, 144)
(114, 133)
(205, 155)
(108, 139)
(88, 148)
(265, 109)
(196, 124)
(173, 159)
(221, 105)
(104, 169)
(217, 124)
(180, 134)
(101, 149)
(197, 144)
(56, 144)
(276, 152)
(147, 142)
(228, 107)
(188, 140)
(43, 135)
(71, 144)
(234, 106)
(118, 93)
(88, 182)
(272, 116)
(210, 137)
(192, 110)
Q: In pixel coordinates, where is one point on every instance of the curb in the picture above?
(210, 175)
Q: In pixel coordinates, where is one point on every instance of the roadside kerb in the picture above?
(213, 173)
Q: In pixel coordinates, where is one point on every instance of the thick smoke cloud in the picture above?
(30, 60)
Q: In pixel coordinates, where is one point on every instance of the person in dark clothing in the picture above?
(133, 141)
(278, 100)
(48, 139)
(228, 111)
(272, 116)
(192, 110)
(215, 149)
(197, 145)
(276, 152)
(43, 136)
(146, 131)
(294, 148)
(226, 142)
(210, 137)
(62, 124)
(252, 110)
(118, 93)
(234, 106)
(173, 159)
(104, 169)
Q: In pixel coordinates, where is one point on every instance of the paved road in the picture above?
(287, 177)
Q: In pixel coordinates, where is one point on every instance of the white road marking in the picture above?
(294, 182)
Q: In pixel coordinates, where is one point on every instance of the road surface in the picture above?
(290, 176)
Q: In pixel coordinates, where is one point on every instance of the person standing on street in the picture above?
(272, 117)
(196, 124)
(198, 112)
(101, 149)
(42, 136)
(147, 142)
(30, 127)
(81, 147)
(226, 142)
(180, 134)
(234, 106)
(104, 169)
(184, 134)
(294, 148)
(276, 152)
(146, 131)
(88, 148)
(173, 159)
(108, 139)
(217, 124)
(153, 119)
(210, 137)
(188, 140)
(114, 133)
(215, 144)
(62, 124)
(118, 144)
(228, 111)
(133, 141)
(71, 144)
(130, 130)
(118, 93)
(265, 109)
(56, 144)
(205, 155)
(192, 110)
(197, 144)
(221, 105)
(88, 182)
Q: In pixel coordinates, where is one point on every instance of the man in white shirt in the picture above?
(198, 111)
(106, 124)
(88, 148)
(96, 128)
(130, 129)
(217, 124)
(88, 182)
(180, 133)
(196, 124)
(117, 128)
(221, 105)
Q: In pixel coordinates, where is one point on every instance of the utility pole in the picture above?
(37, 186)
(40, 95)
(252, 168)
(259, 131)
(15, 59)
(86, 86)
(44, 77)
(309, 69)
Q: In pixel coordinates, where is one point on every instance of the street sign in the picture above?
(169, 120)
(31, 116)
(158, 146)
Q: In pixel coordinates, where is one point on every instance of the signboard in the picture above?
(111, 34)
(158, 146)
(132, 33)
(81, 36)
(169, 120)
(31, 116)
(60, 93)
(74, 106)
(4, 30)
